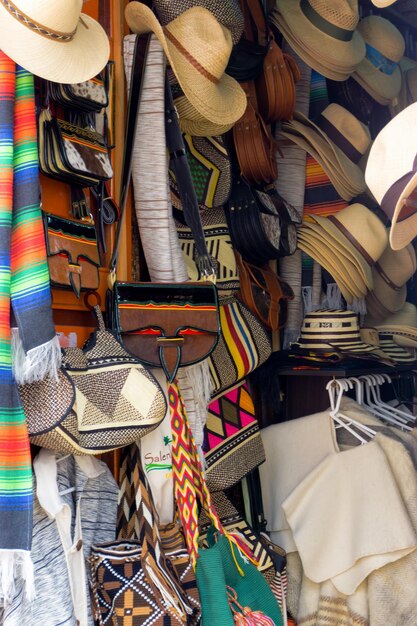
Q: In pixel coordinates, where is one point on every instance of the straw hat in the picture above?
(323, 30)
(402, 325)
(390, 275)
(53, 40)
(227, 12)
(379, 73)
(360, 232)
(340, 140)
(193, 123)
(336, 329)
(381, 4)
(386, 343)
(198, 49)
(391, 175)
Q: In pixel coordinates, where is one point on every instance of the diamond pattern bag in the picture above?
(117, 400)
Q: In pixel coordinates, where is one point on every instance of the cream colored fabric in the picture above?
(342, 518)
(292, 449)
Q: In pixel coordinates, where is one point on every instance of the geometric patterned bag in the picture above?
(133, 582)
(233, 444)
(117, 400)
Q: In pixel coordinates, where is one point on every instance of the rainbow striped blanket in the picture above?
(24, 297)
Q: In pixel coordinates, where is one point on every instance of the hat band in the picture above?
(379, 61)
(193, 61)
(326, 27)
(36, 27)
(336, 136)
(386, 278)
(352, 239)
(392, 195)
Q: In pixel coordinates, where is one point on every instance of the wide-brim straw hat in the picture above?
(318, 27)
(53, 40)
(381, 4)
(379, 73)
(360, 232)
(338, 256)
(198, 48)
(386, 343)
(402, 325)
(390, 275)
(391, 175)
(195, 124)
(338, 329)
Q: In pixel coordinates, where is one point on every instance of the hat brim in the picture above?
(72, 61)
(313, 232)
(382, 87)
(193, 123)
(340, 53)
(381, 4)
(375, 308)
(392, 299)
(222, 102)
(396, 352)
(402, 232)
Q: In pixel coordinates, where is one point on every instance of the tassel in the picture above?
(15, 565)
(37, 364)
(291, 335)
(244, 616)
(358, 306)
(334, 297)
(307, 295)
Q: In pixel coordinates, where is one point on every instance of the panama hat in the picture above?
(402, 325)
(360, 232)
(375, 309)
(337, 329)
(391, 175)
(341, 141)
(328, 29)
(227, 12)
(193, 123)
(379, 73)
(198, 48)
(338, 257)
(386, 343)
(53, 40)
(390, 275)
(381, 4)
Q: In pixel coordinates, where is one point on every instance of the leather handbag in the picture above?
(70, 153)
(108, 399)
(167, 325)
(90, 95)
(243, 345)
(232, 443)
(264, 293)
(133, 581)
(72, 252)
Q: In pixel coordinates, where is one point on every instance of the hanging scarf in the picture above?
(25, 293)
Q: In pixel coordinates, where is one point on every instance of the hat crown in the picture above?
(382, 35)
(398, 265)
(202, 36)
(61, 15)
(349, 126)
(364, 226)
(342, 13)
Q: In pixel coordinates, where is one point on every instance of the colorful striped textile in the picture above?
(24, 291)
(320, 198)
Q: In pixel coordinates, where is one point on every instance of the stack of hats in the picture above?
(337, 140)
(198, 48)
(389, 276)
(326, 330)
(400, 326)
(324, 34)
(379, 73)
(347, 245)
(385, 341)
(391, 175)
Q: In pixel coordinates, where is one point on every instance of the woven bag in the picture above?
(117, 400)
(233, 444)
(243, 345)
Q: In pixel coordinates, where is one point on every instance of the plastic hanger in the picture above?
(384, 413)
(336, 389)
(70, 489)
(385, 378)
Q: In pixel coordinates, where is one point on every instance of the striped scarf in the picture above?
(25, 294)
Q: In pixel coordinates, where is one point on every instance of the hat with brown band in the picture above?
(53, 40)
(198, 48)
(379, 73)
(323, 28)
(391, 175)
(390, 275)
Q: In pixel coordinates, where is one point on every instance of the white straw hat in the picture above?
(402, 325)
(198, 48)
(53, 39)
(391, 175)
(379, 73)
(381, 4)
